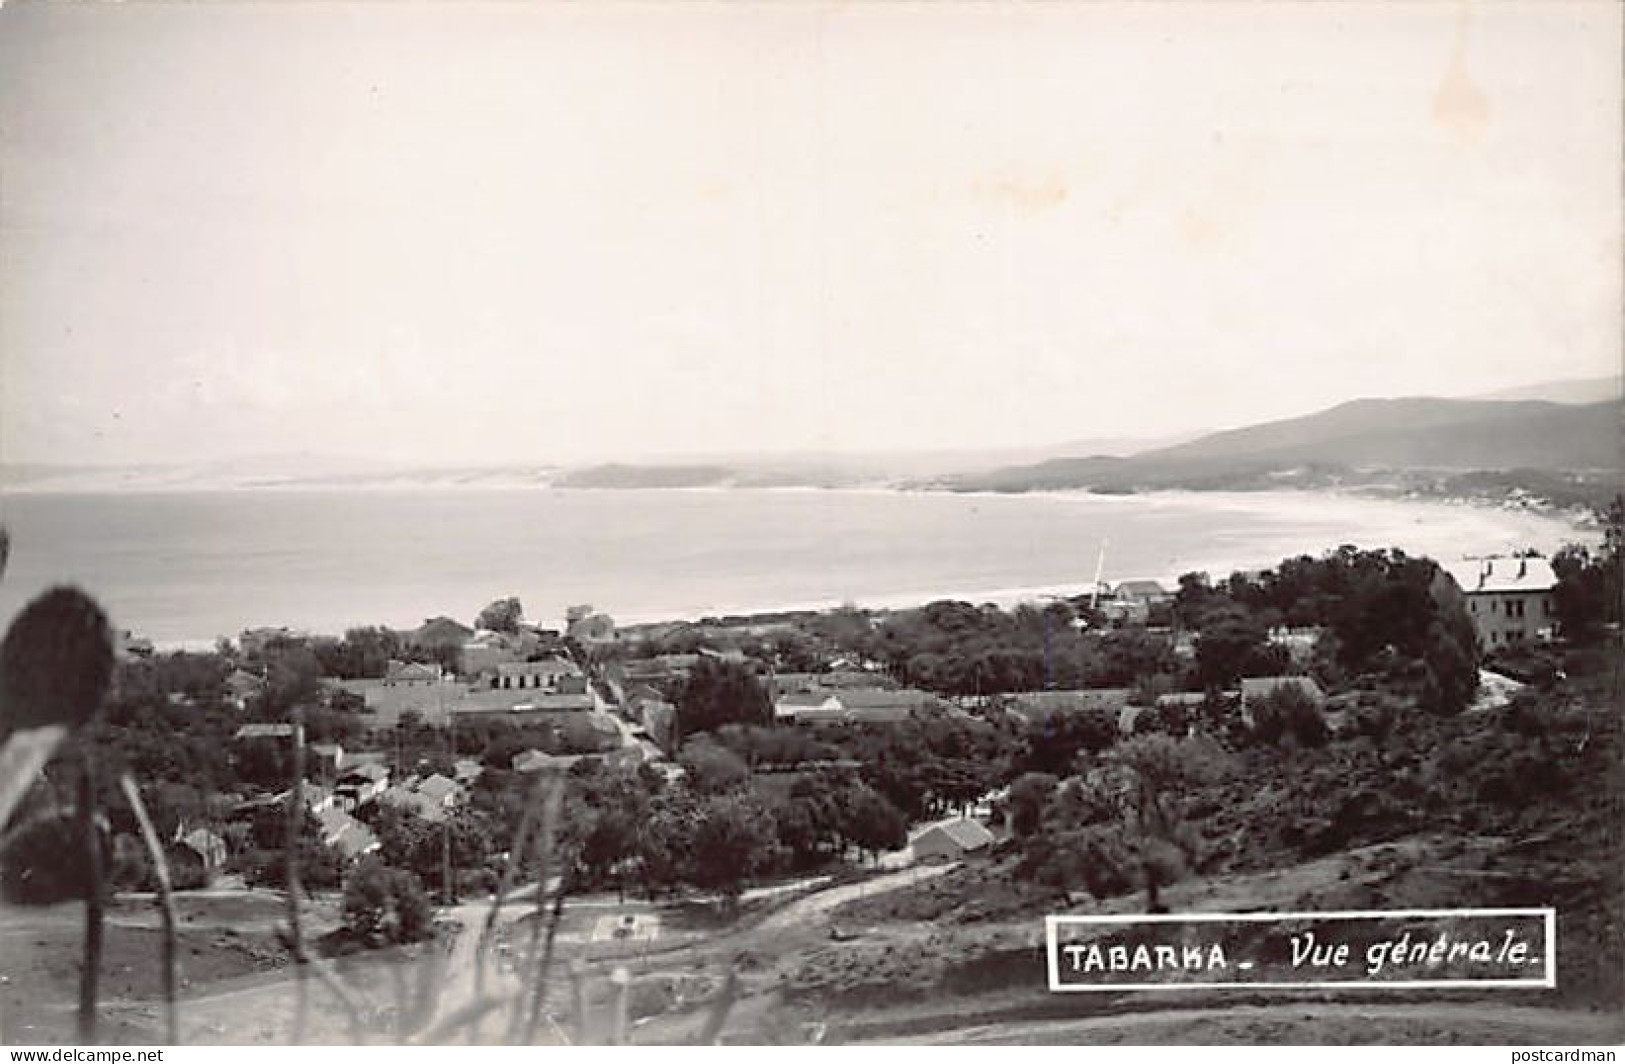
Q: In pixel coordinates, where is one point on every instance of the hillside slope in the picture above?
(1364, 434)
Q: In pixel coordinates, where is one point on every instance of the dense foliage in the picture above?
(384, 905)
(721, 692)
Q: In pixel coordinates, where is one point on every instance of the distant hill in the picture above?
(647, 476)
(1582, 390)
(1366, 434)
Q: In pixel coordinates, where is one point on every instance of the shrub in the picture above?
(1288, 711)
(385, 906)
(1307, 723)
(46, 862)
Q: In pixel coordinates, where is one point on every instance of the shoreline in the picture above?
(1217, 564)
(1296, 522)
(1578, 513)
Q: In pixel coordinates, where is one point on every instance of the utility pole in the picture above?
(1100, 570)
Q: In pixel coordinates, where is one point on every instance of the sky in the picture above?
(534, 232)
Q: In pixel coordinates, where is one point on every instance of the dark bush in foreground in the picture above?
(46, 863)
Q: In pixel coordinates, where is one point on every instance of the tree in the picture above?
(666, 840)
(871, 823)
(1159, 769)
(1287, 710)
(385, 906)
(265, 862)
(734, 839)
(1130, 656)
(1028, 796)
(797, 832)
(603, 814)
(721, 692)
(791, 650)
(712, 768)
(1589, 587)
(1195, 597)
(503, 615)
(1232, 643)
(293, 677)
(363, 653)
(45, 861)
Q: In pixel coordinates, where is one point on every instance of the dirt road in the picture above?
(798, 912)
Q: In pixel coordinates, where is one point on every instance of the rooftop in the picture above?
(966, 834)
(1502, 575)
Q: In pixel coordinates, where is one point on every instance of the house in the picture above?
(1033, 706)
(877, 705)
(359, 784)
(346, 834)
(518, 704)
(662, 668)
(1187, 700)
(127, 645)
(1148, 592)
(950, 840)
(388, 700)
(243, 687)
(264, 731)
(441, 790)
(195, 856)
(806, 706)
(783, 683)
(861, 705)
(316, 798)
(1090, 595)
(1123, 612)
(412, 674)
(403, 797)
(544, 675)
(430, 799)
(486, 652)
(1510, 600)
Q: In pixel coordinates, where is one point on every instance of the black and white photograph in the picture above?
(811, 523)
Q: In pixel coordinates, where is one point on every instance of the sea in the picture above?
(184, 568)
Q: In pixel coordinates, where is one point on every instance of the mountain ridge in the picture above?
(1416, 433)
